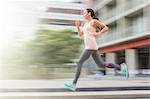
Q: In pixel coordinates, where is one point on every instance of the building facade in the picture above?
(128, 38)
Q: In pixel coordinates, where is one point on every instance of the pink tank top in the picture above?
(89, 38)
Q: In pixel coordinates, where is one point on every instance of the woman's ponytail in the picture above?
(95, 17)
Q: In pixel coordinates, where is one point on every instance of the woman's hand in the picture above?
(78, 23)
(97, 33)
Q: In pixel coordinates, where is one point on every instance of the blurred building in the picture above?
(61, 15)
(128, 38)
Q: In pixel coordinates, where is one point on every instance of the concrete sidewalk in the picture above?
(44, 89)
(88, 82)
(79, 95)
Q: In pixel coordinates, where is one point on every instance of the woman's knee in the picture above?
(106, 64)
(79, 63)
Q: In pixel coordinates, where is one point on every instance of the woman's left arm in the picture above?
(100, 25)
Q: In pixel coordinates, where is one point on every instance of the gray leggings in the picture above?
(98, 60)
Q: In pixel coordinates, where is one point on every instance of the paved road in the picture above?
(49, 89)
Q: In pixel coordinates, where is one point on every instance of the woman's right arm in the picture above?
(78, 24)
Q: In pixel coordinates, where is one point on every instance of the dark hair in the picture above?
(93, 15)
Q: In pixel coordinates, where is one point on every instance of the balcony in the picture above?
(131, 32)
(101, 14)
(134, 30)
(111, 13)
(133, 3)
(98, 4)
(125, 9)
(111, 9)
(95, 2)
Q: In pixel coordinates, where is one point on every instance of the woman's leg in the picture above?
(84, 56)
(111, 65)
(100, 62)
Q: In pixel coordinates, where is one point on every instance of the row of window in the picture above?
(134, 23)
(115, 7)
(132, 26)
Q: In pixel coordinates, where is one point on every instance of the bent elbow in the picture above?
(106, 28)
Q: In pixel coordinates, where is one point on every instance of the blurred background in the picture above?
(38, 38)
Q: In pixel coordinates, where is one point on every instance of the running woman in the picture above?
(91, 48)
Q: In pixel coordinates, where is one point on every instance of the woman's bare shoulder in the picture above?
(95, 22)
